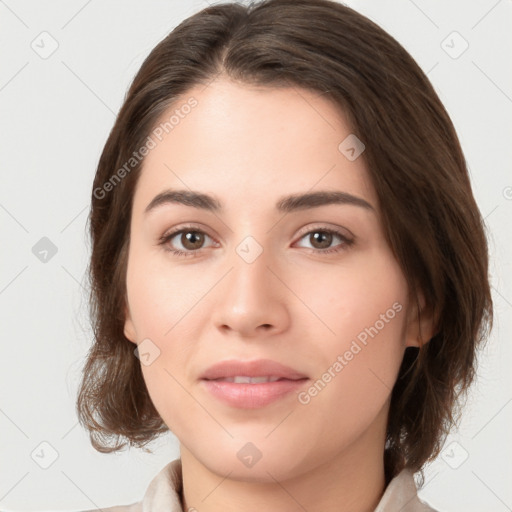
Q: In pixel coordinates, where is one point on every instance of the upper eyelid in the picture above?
(324, 227)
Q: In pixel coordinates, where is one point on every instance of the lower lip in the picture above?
(252, 396)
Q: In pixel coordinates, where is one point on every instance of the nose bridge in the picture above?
(250, 296)
(250, 277)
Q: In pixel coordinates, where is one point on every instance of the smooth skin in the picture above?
(296, 304)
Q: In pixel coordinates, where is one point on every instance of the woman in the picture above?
(289, 269)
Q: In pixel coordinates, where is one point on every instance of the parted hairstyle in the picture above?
(416, 166)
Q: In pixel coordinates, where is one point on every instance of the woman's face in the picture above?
(263, 277)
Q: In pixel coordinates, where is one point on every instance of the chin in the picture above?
(263, 460)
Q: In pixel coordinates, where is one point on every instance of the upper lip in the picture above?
(256, 368)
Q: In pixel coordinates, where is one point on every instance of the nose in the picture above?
(251, 299)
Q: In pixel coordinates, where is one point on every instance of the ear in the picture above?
(129, 328)
(420, 324)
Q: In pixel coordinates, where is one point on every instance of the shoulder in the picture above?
(162, 493)
(402, 494)
(133, 507)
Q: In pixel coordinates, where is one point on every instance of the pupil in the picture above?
(324, 237)
(192, 238)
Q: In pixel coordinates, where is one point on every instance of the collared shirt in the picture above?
(163, 494)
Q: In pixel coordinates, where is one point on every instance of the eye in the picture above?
(191, 240)
(322, 238)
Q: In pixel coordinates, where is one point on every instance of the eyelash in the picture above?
(193, 253)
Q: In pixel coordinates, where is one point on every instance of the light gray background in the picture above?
(56, 115)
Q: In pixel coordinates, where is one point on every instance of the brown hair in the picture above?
(417, 167)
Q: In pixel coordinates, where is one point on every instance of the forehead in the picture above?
(250, 145)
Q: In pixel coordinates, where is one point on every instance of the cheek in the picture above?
(369, 290)
(161, 303)
(160, 296)
(363, 318)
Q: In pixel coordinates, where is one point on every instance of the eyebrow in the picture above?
(286, 204)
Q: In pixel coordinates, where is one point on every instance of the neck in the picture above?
(353, 480)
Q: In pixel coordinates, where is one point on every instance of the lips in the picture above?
(251, 371)
(245, 379)
(251, 384)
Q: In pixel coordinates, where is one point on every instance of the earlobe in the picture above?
(129, 329)
(421, 324)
